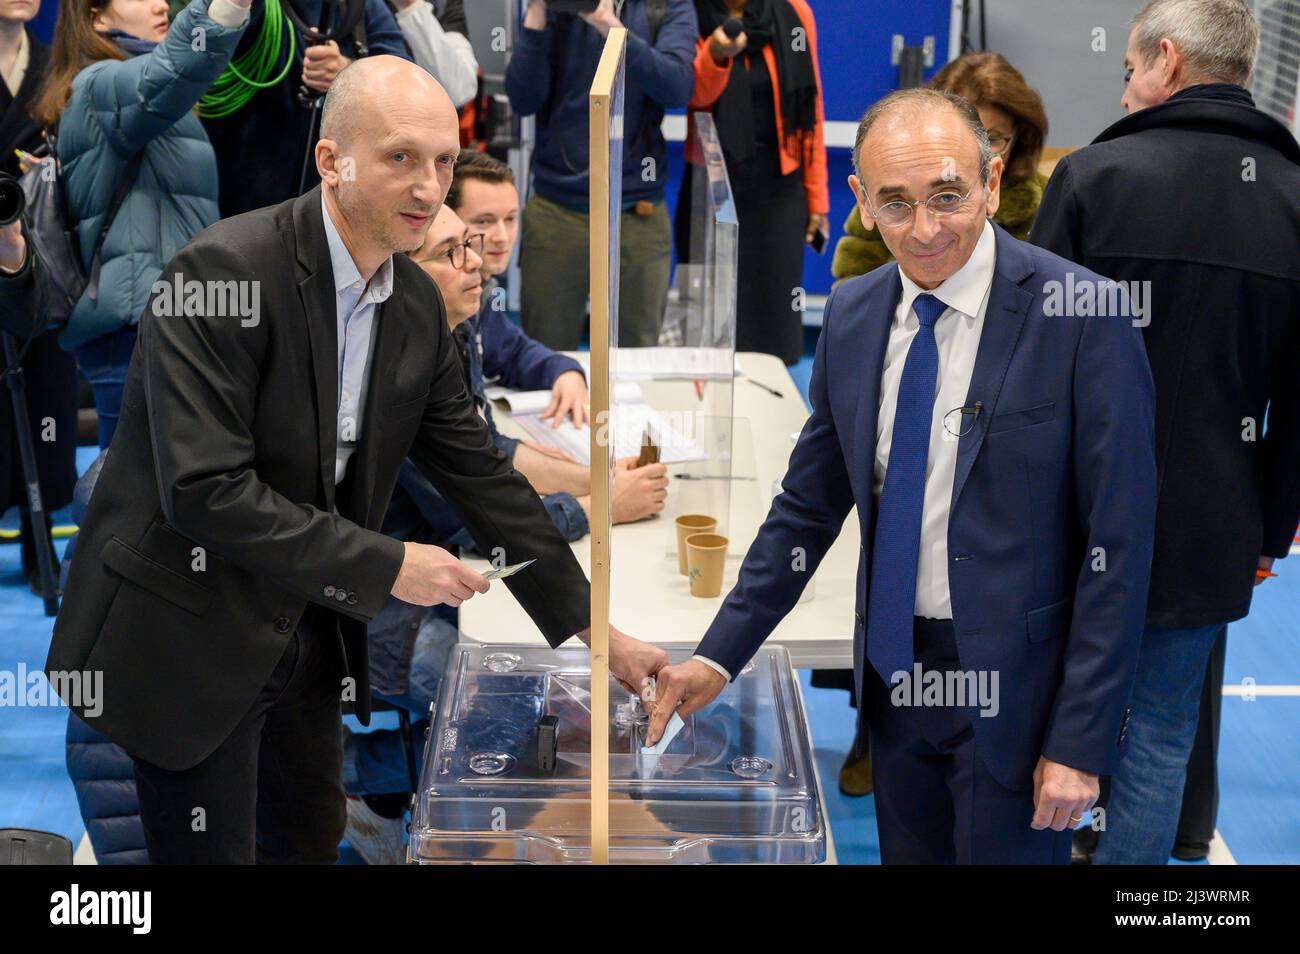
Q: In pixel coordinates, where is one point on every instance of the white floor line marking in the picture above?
(1237, 689)
(1219, 853)
(84, 855)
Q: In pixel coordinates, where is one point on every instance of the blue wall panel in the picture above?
(43, 25)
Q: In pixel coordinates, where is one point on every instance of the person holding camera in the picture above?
(50, 372)
(549, 75)
(756, 71)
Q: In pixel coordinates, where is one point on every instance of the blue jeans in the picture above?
(1146, 792)
(104, 361)
(374, 763)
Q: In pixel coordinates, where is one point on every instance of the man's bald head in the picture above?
(388, 146)
(363, 90)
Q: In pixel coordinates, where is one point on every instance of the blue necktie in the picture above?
(897, 543)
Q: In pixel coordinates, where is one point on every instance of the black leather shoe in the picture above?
(1191, 850)
(1083, 846)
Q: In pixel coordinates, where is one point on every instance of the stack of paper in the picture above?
(535, 402)
(671, 364)
(629, 425)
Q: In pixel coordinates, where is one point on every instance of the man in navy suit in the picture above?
(989, 409)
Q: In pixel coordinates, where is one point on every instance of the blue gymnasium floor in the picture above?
(1259, 814)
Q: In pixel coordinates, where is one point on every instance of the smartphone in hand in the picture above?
(572, 6)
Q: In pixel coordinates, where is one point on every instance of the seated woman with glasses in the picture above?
(1013, 114)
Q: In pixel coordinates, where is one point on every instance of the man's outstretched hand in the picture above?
(430, 575)
(685, 689)
(631, 661)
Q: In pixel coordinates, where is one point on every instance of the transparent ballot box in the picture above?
(507, 768)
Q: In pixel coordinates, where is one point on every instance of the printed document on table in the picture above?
(629, 424)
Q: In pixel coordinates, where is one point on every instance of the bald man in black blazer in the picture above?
(230, 557)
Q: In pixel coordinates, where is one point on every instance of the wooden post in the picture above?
(605, 100)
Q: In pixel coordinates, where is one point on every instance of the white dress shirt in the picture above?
(957, 336)
(356, 304)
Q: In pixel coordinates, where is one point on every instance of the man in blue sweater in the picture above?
(549, 75)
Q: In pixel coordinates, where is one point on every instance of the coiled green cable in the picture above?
(243, 77)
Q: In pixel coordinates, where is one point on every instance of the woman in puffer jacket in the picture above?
(1012, 112)
(120, 90)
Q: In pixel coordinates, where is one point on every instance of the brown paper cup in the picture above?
(686, 525)
(706, 558)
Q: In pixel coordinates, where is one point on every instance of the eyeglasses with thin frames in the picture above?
(1001, 145)
(898, 212)
(456, 254)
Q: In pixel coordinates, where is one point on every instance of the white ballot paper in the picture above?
(675, 725)
(500, 573)
(535, 402)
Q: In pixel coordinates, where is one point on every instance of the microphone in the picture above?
(732, 28)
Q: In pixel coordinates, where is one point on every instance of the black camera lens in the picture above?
(12, 199)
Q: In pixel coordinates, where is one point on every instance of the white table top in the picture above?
(650, 600)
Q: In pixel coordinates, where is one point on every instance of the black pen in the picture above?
(772, 391)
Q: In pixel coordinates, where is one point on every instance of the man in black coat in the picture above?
(230, 556)
(1194, 199)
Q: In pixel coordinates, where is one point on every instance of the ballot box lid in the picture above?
(506, 773)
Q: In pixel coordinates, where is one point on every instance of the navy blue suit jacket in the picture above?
(1052, 519)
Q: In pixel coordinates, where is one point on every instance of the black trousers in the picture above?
(773, 215)
(272, 792)
(1200, 811)
(936, 803)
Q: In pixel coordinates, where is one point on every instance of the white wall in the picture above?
(1052, 43)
